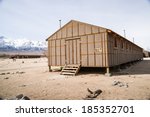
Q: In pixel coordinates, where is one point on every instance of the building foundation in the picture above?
(50, 69)
(107, 72)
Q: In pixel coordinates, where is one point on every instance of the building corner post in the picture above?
(50, 69)
(107, 72)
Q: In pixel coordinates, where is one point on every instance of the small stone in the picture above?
(6, 78)
(92, 94)
(121, 85)
(19, 96)
(126, 85)
(21, 72)
(8, 72)
(22, 85)
(3, 74)
(115, 83)
(26, 98)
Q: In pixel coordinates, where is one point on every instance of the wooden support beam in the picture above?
(50, 69)
(107, 72)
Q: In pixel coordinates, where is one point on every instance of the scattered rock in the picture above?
(115, 83)
(18, 97)
(120, 84)
(22, 61)
(25, 98)
(92, 94)
(6, 78)
(20, 72)
(3, 74)
(8, 72)
(126, 85)
(22, 97)
(22, 85)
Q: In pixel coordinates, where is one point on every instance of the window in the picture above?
(130, 47)
(127, 46)
(122, 44)
(115, 42)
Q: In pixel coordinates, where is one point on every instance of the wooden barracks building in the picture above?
(79, 44)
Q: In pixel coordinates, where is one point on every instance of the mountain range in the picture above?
(21, 45)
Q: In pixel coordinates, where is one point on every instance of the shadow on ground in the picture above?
(137, 68)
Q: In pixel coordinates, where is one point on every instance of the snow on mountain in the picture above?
(2, 40)
(21, 44)
(4, 45)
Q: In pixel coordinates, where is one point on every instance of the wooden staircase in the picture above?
(70, 70)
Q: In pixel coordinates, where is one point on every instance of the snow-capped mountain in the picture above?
(7, 44)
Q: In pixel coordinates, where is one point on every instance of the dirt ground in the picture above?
(32, 78)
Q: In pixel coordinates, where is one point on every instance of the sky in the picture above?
(38, 19)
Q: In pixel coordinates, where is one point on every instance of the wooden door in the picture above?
(72, 50)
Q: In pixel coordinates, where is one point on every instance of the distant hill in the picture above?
(21, 46)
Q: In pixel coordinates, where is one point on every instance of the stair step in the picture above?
(72, 65)
(66, 73)
(70, 70)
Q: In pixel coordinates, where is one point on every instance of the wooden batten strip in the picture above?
(94, 50)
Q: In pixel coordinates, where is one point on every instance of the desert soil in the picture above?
(31, 77)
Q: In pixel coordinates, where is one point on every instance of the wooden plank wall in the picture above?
(124, 52)
(56, 52)
(93, 45)
(94, 50)
(96, 47)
